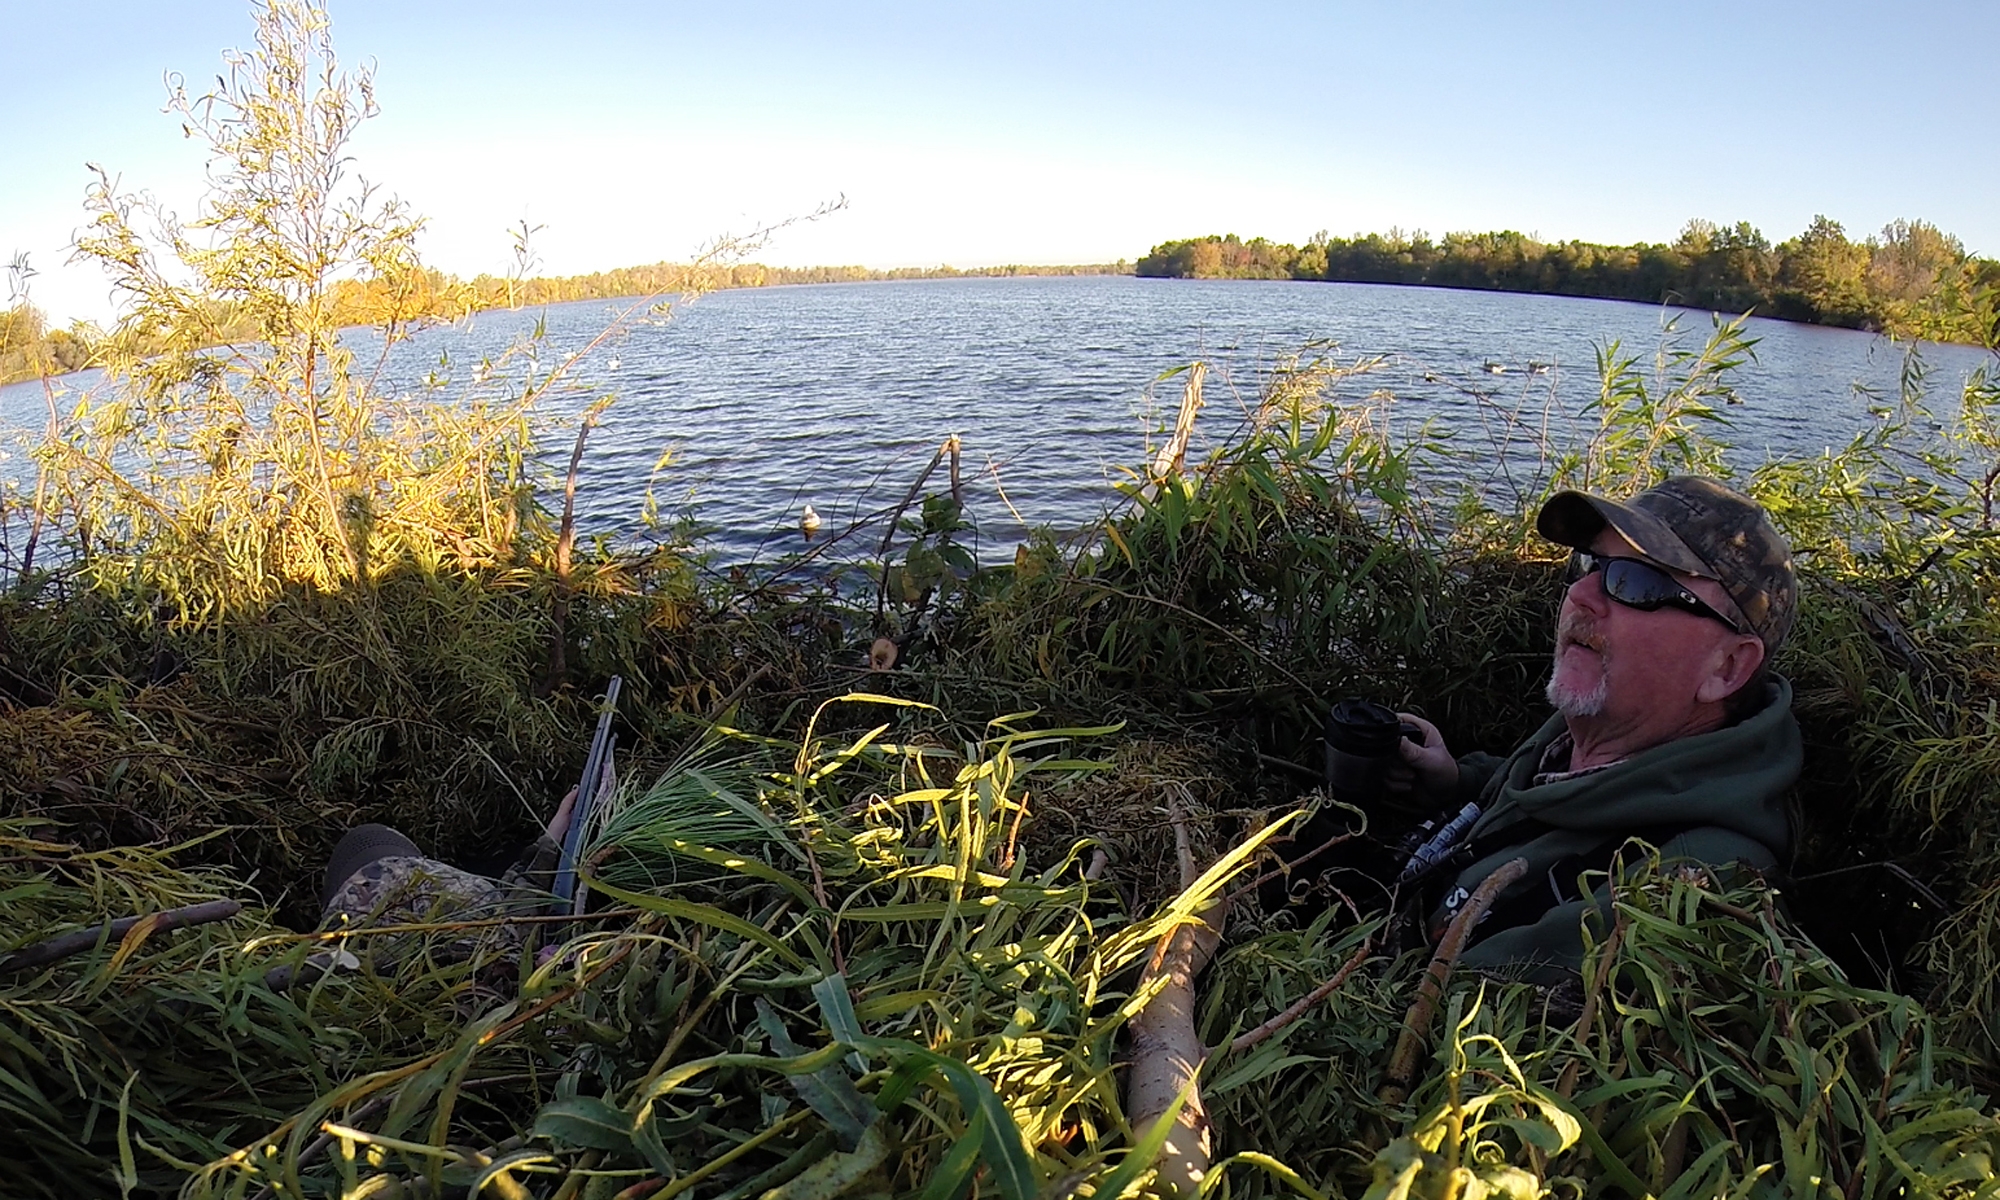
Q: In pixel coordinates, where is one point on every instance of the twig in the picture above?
(1014, 834)
(1293, 865)
(319, 1144)
(1273, 760)
(565, 545)
(1896, 869)
(1403, 1064)
(61, 947)
(950, 447)
(1246, 1040)
(1566, 1085)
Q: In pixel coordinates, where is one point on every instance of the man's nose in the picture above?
(1588, 592)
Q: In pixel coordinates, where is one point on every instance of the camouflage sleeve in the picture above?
(533, 875)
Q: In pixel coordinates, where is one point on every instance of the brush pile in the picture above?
(888, 930)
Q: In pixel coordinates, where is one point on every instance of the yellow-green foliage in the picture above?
(28, 348)
(270, 602)
(884, 988)
(238, 441)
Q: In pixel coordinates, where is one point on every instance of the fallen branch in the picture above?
(1167, 1053)
(58, 948)
(1403, 1064)
(1246, 1040)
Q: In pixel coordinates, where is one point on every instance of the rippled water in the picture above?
(838, 394)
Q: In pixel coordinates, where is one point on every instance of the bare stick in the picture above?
(318, 1145)
(950, 447)
(1167, 1053)
(1253, 1037)
(1171, 456)
(565, 545)
(1272, 760)
(1566, 1085)
(58, 948)
(1403, 1064)
(1288, 868)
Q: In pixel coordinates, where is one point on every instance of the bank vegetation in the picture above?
(906, 841)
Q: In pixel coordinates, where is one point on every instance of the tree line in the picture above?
(435, 294)
(1911, 280)
(30, 347)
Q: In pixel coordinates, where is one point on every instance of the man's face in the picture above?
(1631, 668)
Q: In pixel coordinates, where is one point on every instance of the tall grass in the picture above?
(872, 945)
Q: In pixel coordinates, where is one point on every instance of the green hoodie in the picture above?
(1725, 789)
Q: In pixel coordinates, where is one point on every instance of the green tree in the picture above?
(1918, 282)
(1911, 259)
(1824, 276)
(238, 441)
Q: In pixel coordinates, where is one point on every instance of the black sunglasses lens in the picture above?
(1638, 585)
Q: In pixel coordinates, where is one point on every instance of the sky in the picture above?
(1034, 132)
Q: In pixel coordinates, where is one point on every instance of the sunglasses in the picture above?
(1643, 586)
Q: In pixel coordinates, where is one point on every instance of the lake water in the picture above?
(837, 395)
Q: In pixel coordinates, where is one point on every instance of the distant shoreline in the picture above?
(30, 350)
(1911, 281)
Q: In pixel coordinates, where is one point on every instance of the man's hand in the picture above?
(559, 824)
(1428, 771)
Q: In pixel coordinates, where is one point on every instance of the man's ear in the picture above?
(1733, 665)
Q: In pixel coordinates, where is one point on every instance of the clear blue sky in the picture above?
(1065, 132)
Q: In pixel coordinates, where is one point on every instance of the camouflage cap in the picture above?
(1697, 526)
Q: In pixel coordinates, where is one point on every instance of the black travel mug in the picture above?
(1360, 745)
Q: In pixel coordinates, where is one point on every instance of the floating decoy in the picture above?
(883, 654)
(809, 522)
(613, 364)
(1494, 368)
(1538, 368)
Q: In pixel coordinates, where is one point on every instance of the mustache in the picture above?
(1578, 628)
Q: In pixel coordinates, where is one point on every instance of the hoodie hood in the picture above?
(1733, 778)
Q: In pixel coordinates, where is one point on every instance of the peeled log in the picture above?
(1166, 1053)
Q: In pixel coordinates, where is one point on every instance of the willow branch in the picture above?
(57, 948)
(1253, 1037)
(1403, 1064)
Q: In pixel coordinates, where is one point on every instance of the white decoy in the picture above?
(613, 364)
(809, 522)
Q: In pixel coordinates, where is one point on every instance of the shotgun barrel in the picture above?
(601, 744)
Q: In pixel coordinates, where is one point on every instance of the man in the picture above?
(377, 876)
(1669, 725)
